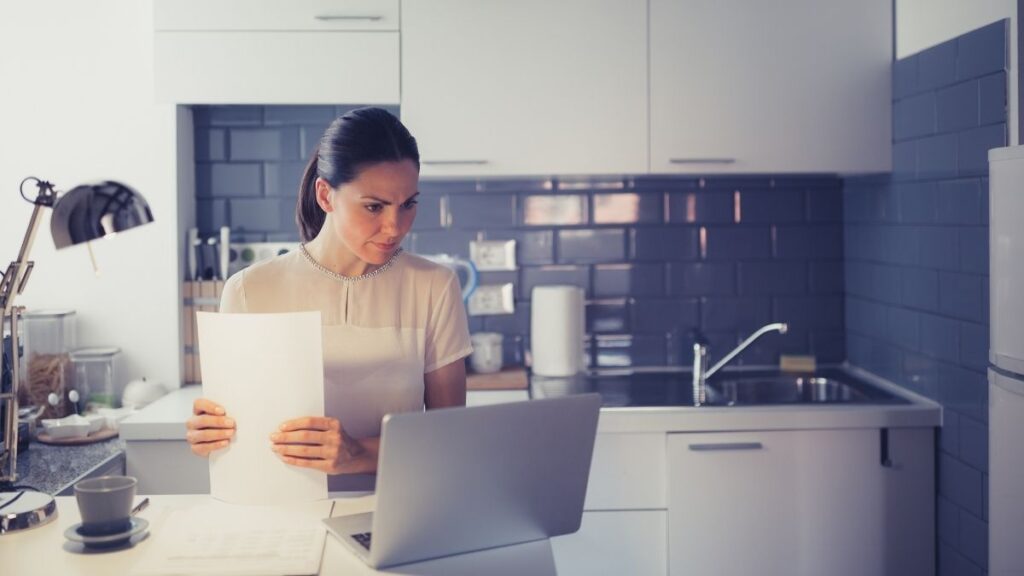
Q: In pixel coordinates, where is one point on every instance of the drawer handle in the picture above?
(702, 160)
(332, 17)
(453, 162)
(726, 446)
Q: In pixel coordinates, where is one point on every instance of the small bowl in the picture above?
(73, 426)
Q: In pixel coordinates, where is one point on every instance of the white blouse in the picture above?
(381, 334)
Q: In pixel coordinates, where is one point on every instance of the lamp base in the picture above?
(24, 509)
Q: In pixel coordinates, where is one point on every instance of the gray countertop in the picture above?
(53, 469)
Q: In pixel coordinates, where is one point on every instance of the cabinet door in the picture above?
(614, 544)
(277, 67)
(530, 87)
(789, 503)
(276, 14)
(783, 86)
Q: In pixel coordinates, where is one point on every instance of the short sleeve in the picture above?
(447, 332)
(232, 299)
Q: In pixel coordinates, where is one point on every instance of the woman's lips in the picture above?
(386, 247)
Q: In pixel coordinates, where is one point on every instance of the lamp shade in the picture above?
(92, 211)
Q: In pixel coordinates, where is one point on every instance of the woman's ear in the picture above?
(323, 195)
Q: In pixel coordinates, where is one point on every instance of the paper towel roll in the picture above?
(557, 330)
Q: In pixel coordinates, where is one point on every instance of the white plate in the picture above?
(73, 426)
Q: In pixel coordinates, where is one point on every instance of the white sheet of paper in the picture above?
(263, 369)
(232, 540)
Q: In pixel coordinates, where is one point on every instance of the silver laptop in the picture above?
(459, 480)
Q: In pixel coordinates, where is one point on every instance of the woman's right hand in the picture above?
(209, 428)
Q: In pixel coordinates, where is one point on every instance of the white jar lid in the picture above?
(48, 313)
(98, 353)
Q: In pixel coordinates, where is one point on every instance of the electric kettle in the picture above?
(469, 279)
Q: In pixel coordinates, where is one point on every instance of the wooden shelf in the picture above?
(508, 379)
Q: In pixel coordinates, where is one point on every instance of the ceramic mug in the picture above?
(487, 352)
(105, 504)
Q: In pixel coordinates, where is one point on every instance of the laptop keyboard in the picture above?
(363, 538)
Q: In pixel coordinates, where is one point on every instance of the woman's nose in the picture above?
(390, 224)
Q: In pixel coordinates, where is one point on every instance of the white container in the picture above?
(557, 330)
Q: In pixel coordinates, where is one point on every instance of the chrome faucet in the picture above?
(701, 373)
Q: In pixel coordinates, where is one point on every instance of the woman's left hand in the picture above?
(316, 442)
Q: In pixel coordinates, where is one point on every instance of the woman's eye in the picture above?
(410, 204)
(374, 208)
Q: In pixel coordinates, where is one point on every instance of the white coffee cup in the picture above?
(487, 355)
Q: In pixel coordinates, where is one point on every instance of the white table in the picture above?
(42, 550)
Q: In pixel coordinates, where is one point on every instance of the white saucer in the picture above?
(138, 525)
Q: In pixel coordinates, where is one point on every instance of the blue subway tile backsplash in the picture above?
(992, 98)
(258, 144)
(637, 279)
(664, 243)
(591, 245)
(982, 51)
(936, 67)
(957, 106)
(914, 117)
(926, 225)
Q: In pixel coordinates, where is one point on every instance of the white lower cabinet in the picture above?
(624, 528)
(808, 502)
(616, 543)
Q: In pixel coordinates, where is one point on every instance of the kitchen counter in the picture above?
(55, 469)
(43, 550)
(165, 418)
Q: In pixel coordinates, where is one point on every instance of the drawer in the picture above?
(627, 473)
(276, 15)
(277, 67)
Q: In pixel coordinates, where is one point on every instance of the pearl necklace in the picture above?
(348, 279)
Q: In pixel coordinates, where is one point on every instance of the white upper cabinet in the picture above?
(770, 87)
(530, 87)
(277, 52)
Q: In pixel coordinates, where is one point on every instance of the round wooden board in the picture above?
(99, 436)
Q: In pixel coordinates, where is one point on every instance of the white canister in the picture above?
(487, 352)
(557, 330)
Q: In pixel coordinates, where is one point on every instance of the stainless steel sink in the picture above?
(672, 386)
(793, 389)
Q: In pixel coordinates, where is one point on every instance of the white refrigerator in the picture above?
(1006, 362)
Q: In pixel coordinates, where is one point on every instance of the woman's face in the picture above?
(373, 213)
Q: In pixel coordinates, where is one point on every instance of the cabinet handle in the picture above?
(331, 17)
(702, 160)
(452, 162)
(885, 460)
(726, 446)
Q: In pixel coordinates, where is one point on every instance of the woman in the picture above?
(394, 328)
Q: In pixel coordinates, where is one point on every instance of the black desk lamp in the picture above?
(87, 212)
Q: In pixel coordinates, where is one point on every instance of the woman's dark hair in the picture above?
(359, 138)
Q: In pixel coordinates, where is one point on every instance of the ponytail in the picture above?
(308, 214)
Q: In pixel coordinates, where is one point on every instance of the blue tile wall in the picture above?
(249, 161)
(916, 265)
(661, 258)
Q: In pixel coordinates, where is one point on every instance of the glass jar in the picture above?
(95, 377)
(46, 365)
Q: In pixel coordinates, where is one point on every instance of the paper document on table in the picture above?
(220, 538)
(263, 369)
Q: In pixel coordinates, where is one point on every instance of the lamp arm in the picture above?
(13, 281)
